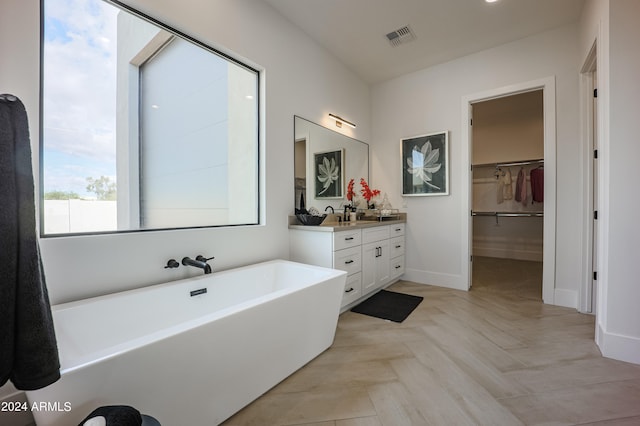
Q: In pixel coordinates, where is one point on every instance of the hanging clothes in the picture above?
(507, 188)
(537, 184)
(28, 349)
(521, 187)
(499, 187)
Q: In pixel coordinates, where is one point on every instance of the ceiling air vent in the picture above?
(401, 36)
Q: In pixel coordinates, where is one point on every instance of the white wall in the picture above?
(429, 100)
(299, 78)
(613, 24)
(624, 232)
(623, 312)
(69, 216)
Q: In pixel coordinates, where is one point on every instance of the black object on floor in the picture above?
(116, 415)
(389, 305)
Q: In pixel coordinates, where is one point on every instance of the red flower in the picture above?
(350, 193)
(367, 192)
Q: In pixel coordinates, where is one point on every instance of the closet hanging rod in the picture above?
(509, 214)
(515, 163)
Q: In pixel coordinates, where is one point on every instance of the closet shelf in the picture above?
(508, 214)
(515, 163)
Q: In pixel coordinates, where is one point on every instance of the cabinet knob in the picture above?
(398, 246)
(348, 262)
(350, 290)
(348, 239)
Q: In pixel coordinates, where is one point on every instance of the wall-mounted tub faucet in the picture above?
(199, 262)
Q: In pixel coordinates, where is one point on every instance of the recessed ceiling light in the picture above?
(491, 1)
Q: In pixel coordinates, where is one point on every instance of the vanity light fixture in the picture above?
(340, 120)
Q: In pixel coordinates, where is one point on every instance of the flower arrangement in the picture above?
(351, 195)
(367, 192)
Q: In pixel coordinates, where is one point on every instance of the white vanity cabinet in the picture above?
(372, 253)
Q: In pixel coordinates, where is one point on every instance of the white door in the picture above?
(369, 258)
(382, 263)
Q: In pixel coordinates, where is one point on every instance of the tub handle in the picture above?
(172, 263)
(201, 258)
(350, 290)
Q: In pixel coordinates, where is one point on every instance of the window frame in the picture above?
(176, 33)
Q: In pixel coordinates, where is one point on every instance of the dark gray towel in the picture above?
(28, 350)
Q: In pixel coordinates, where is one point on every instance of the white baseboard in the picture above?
(455, 282)
(566, 298)
(535, 256)
(617, 346)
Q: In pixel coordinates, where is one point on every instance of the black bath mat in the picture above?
(388, 305)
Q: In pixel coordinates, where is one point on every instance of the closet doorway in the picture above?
(508, 194)
(550, 294)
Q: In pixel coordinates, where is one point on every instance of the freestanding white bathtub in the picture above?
(191, 352)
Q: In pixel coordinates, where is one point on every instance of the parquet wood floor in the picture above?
(495, 355)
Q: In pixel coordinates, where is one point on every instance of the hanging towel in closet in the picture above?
(521, 187)
(508, 185)
(537, 184)
(28, 350)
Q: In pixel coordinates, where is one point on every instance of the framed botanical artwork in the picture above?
(425, 164)
(329, 174)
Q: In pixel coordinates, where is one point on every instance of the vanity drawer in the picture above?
(396, 267)
(397, 229)
(349, 260)
(396, 246)
(375, 234)
(352, 289)
(346, 239)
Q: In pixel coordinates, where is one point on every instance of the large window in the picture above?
(142, 128)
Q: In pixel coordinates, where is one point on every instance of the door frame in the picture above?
(548, 87)
(589, 137)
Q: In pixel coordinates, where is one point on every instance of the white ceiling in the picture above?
(355, 30)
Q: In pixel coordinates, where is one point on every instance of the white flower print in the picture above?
(425, 164)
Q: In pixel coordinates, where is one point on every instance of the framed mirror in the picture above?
(325, 161)
(142, 126)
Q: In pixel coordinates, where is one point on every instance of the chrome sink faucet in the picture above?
(199, 262)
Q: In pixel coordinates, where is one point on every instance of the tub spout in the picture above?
(198, 262)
